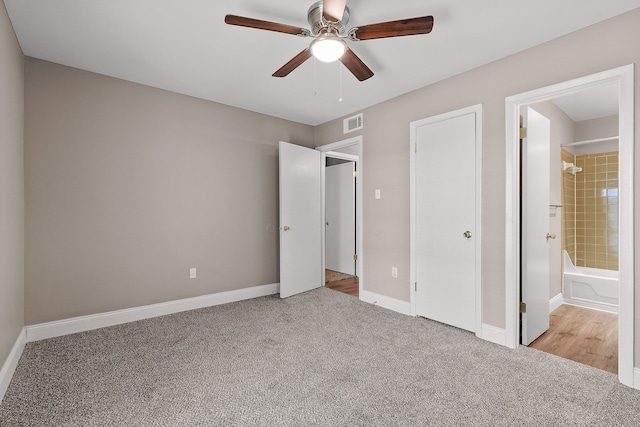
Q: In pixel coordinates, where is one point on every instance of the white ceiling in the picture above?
(592, 103)
(184, 46)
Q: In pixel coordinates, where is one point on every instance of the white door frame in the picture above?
(325, 149)
(351, 158)
(624, 77)
(477, 109)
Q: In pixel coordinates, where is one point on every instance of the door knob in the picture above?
(551, 236)
(287, 228)
(467, 234)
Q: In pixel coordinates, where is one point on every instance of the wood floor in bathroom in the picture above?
(583, 335)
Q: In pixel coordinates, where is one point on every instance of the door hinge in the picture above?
(523, 307)
(415, 147)
(415, 286)
(523, 133)
(355, 257)
(355, 174)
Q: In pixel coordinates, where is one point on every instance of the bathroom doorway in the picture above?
(583, 214)
(574, 235)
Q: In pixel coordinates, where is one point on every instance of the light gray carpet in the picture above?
(320, 358)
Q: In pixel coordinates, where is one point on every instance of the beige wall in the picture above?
(600, 47)
(11, 186)
(128, 186)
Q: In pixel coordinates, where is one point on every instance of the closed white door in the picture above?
(340, 226)
(300, 219)
(445, 220)
(535, 224)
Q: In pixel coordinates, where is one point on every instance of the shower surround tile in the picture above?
(595, 222)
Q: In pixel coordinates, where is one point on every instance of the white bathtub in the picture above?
(590, 287)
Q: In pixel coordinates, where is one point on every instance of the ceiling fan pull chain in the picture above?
(315, 78)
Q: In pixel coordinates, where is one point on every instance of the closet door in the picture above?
(446, 211)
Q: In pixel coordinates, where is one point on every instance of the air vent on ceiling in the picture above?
(353, 123)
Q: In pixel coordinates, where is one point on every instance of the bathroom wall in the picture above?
(603, 127)
(590, 236)
(597, 210)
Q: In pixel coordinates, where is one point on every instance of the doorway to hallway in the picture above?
(342, 215)
(345, 283)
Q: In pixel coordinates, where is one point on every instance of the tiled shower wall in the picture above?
(596, 210)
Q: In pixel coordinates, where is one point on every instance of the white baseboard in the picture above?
(403, 307)
(555, 302)
(94, 321)
(494, 334)
(593, 305)
(636, 378)
(10, 364)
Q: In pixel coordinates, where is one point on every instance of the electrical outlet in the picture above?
(377, 193)
(192, 273)
(394, 272)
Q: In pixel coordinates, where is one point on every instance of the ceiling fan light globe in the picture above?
(328, 48)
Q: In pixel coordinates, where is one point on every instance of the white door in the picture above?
(535, 224)
(340, 226)
(445, 220)
(300, 219)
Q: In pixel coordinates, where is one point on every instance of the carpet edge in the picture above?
(74, 325)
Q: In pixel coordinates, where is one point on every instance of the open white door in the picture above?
(300, 219)
(340, 226)
(535, 224)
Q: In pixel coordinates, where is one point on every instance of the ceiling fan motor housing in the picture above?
(319, 24)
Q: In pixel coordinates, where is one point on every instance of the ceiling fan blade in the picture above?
(356, 66)
(401, 27)
(265, 25)
(332, 10)
(293, 64)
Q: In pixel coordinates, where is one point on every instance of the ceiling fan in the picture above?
(328, 19)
